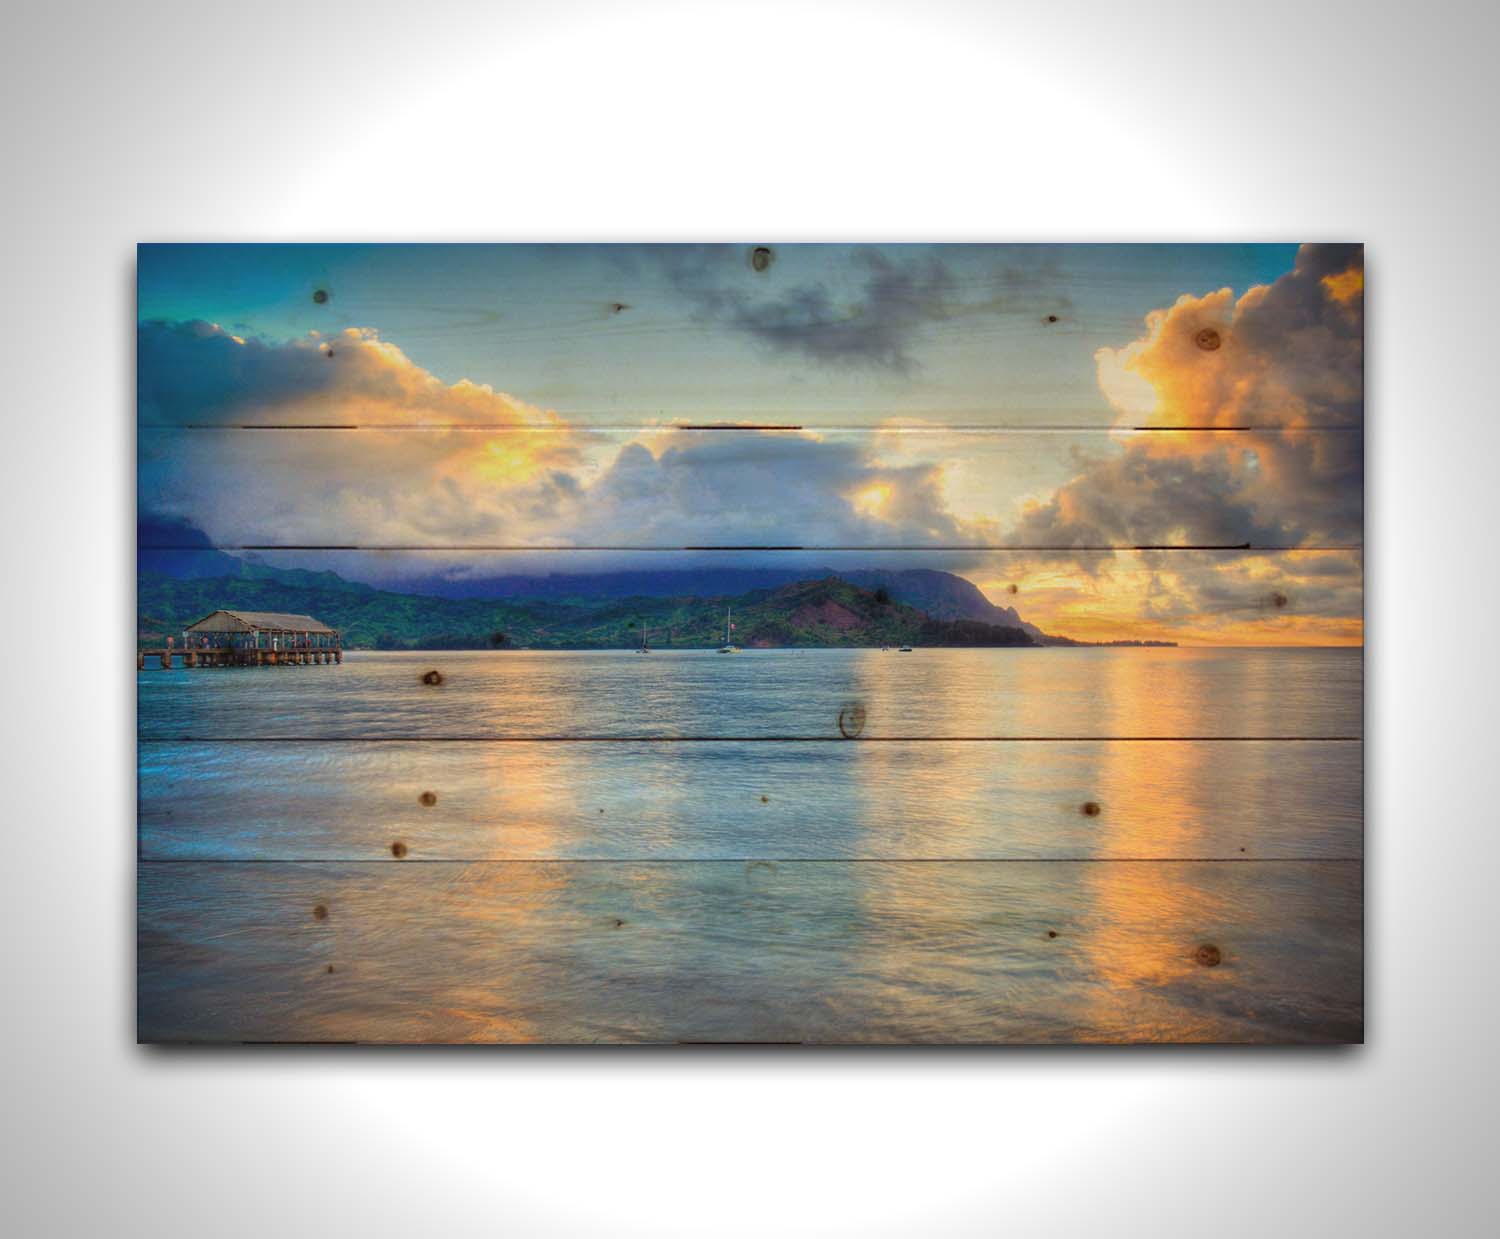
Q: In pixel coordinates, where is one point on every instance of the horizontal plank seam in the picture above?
(743, 738)
(874, 1046)
(846, 428)
(872, 548)
(754, 860)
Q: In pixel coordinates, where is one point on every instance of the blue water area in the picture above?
(947, 845)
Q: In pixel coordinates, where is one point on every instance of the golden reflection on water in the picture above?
(427, 954)
(1129, 930)
(508, 949)
(520, 787)
(1159, 783)
(1142, 926)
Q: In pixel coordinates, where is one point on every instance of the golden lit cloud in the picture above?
(871, 500)
(1285, 358)
(1196, 598)
(1345, 286)
(1130, 392)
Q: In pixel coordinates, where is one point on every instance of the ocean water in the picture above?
(1052, 692)
(847, 846)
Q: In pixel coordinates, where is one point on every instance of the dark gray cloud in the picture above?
(196, 372)
(873, 315)
(875, 327)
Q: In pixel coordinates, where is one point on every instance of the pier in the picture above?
(249, 639)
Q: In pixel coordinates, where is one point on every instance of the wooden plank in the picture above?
(925, 487)
(583, 599)
(870, 694)
(799, 951)
(443, 800)
(639, 334)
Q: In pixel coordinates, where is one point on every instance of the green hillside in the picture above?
(829, 612)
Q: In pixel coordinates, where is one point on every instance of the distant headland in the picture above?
(852, 609)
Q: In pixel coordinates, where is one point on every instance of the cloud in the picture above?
(1286, 358)
(1290, 353)
(518, 476)
(383, 483)
(871, 313)
(767, 489)
(197, 373)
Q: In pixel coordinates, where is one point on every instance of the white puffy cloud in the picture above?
(435, 464)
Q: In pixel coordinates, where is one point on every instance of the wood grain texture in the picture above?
(751, 951)
(445, 800)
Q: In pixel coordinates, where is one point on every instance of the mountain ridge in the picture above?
(826, 612)
(182, 576)
(177, 550)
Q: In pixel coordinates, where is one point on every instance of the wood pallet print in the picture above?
(904, 644)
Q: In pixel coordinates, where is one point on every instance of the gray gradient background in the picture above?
(760, 121)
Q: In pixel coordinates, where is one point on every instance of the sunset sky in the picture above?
(1002, 412)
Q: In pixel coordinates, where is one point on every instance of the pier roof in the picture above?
(258, 621)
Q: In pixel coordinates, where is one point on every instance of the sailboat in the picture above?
(729, 647)
(645, 645)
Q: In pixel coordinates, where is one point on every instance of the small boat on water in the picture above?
(645, 644)
(729, 647)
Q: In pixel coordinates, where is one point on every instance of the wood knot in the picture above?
(1208, 955)
(1050, 319)
(1090, 808)
(851, 720)
(320, 296)
(765, 800)
(433, 677)
(427, 799)
(398, 849)
(1052, 933)
(320, 912)
(1208, 339)
(761, 258)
